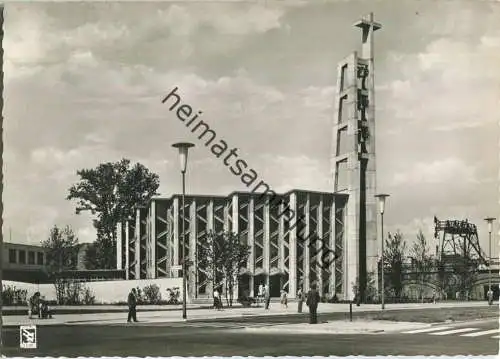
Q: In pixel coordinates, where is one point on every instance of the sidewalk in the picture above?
(87, 309)
(163, 316)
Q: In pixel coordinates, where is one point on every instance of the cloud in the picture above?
(451, 85)
(284, 173)
(437, 172)
(239, 19)
(411, 229)
(86, 234)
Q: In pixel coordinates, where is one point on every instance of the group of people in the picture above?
(311, 298)
(39, 306)
(264, 295)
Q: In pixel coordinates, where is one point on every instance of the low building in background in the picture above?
(28, 264)
(24, 263)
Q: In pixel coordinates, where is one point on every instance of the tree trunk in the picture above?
(227, 299)
(422, 289)
(230, 294)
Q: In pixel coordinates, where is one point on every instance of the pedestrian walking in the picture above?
(216, 299)
(284, 298)
(300, 298)
(132, 303)
(312, 302)
(260, 294)
(220, 299)
(490, 297)
(434, 297)
(267, 296)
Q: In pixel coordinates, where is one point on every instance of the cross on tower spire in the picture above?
(368, 27)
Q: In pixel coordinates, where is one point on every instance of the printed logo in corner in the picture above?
(27, 336)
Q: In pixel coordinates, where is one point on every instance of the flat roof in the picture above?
(23, 246)
(247, 193)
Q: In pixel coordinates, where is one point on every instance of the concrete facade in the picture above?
(150, 244)
(353, 157)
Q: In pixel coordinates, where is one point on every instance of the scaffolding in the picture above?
(459, 255)
(459, 239)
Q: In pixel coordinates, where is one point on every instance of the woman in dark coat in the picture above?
(300, 297)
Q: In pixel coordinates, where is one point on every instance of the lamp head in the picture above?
(183, 153)
(381, 201)
(490, 223)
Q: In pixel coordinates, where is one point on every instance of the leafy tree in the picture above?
(465, 272)
(223, 255)
(457, 273)
(423, 261)
(394, 255)
(371, 292)
(62, 254)
(61, 249)
(443, 276)
(111, 192)
(97, 255)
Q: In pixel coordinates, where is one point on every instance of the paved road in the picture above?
(228, 338)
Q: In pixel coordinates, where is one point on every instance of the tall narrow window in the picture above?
(343, 112)
(12, 256)
(31, 257)
(22, 257)
(40, 258)
(343, 77)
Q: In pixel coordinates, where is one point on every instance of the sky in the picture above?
(84, 84)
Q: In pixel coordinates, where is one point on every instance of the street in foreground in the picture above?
(223, 338)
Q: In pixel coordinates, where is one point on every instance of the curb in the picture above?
(312, 331)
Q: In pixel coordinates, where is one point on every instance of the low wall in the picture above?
(106, 292)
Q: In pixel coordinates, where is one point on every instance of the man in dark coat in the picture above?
(267, 295)
(312, 302)
(132, 303)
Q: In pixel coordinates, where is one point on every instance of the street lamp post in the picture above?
(183, 148)
(381, 203)
(489, 220)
